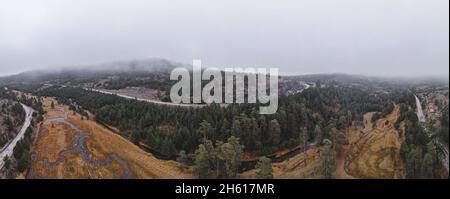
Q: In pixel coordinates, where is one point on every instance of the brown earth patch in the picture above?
(373, 152)
(294, 168)
(55, 137)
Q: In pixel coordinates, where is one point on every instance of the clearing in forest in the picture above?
(373, 151)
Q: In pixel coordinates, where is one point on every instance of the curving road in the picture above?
(8, 151)
(420, 114)
(147, 100)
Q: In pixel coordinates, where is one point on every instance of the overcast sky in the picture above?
(370, 37)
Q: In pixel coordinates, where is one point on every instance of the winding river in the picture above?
(79, 147)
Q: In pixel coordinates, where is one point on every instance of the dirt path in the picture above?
(341, 165)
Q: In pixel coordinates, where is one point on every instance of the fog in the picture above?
(368, 37)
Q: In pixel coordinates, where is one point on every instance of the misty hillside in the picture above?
(155, 73)
(130, 99)
(140, 72)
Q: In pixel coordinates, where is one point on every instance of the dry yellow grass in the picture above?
(101, 144)
(293, 168)
(374, 151)
(51, 141)
(143, 164)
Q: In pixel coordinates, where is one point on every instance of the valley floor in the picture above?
(68, 146)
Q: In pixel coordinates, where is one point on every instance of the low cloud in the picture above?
(383, 37)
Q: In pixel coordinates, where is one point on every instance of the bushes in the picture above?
(375, 117)
(264, 167)
(23, 162)
(223, 158)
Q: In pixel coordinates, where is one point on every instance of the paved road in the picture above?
(421, 117)
(419, 110)
(8, 151)
(152, 101)
(148, 100)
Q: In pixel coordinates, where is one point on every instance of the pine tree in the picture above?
(427, 169)
(204, 160)
(328, 157)
(167, 147)
(7, 162)
(229, 154)
(318, 133)
(275, 132)
(205, 130)
(236, 129)
(404, 150)
(182, 157)
(23, 162)
(413, 164)
(264, 167)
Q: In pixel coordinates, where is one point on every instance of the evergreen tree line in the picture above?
(311, 115)
(421, 164)
(13, 116)
(420, 153)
